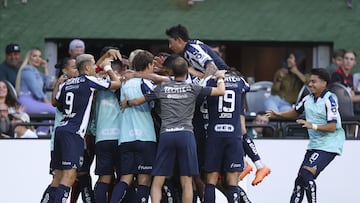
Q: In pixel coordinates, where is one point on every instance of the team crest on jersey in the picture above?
(198, 56)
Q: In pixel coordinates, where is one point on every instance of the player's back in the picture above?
(75, 97)
(224, 111)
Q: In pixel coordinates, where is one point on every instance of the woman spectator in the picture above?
(30, 83)
(9, 99)
(287, 83)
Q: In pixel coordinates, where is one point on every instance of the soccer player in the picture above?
(67, 69)
(224, 148)
(74, 100)
(177, 144)
(323, 122)
(204, 62)
(137, 139)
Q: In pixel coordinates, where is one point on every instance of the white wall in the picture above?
(25, 163)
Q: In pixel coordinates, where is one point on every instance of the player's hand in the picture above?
(272, 114)
(220, 74)
(304, 123)
(124, 103)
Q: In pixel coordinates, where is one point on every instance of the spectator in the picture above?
(30, 83)
(337, 60)
(257, 132)
(287, 83)
(76, 48)
(10, 67)
(344, 76)
(9, 99)
(5, 124)
(22, 131)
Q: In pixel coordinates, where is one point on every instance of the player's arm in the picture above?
(210, 69)
(219, 90)
(243, 124)
(195, 73)
(60, 81)
(150, 76)
(285, 114)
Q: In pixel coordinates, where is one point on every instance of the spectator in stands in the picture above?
(10, 67)
(5, 124)
(22, 131)
(76, 48)
(344, 76)
(257, 132)
(287, 83)
(30, 83)
(9, 99)
(337, 60)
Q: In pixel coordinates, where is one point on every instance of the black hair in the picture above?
(62, 64)
(178, 31)
(322, 73)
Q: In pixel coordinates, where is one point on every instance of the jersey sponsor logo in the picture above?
(72, 115)
(176, 89)
(66, 163)
(76, 80)
(110, 131)
(224, 128)
(62, 123)
(141, 167)
(235, 165)
(71, 87)
(174, 129)
(176, 96)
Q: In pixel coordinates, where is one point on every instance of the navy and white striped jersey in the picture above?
(75, 97)
(199, 55)
(224, 111)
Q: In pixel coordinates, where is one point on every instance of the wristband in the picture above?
(98, 69)
(107, 68)
(220, 80)
(314, 126)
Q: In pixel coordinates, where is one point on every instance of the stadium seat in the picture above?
(255, 98)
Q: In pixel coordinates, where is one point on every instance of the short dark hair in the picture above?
(142, 59)
(338, 53)
(178, 31)
(322, 73)
(179, 66)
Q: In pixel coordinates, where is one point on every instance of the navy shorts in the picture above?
(106, 157)
(224, 154)
(317, 158)
(136, 157)
(176, 148)
(68, 150)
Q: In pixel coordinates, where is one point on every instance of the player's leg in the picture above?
(233, 163)
(155, 191)
(72, 152)
(214, 152)
(105, 151)
(211, 180)
(145, 160)
(187, 189)
(252, 152)
(85, 181)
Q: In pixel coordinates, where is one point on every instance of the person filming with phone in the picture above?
(287, 83)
